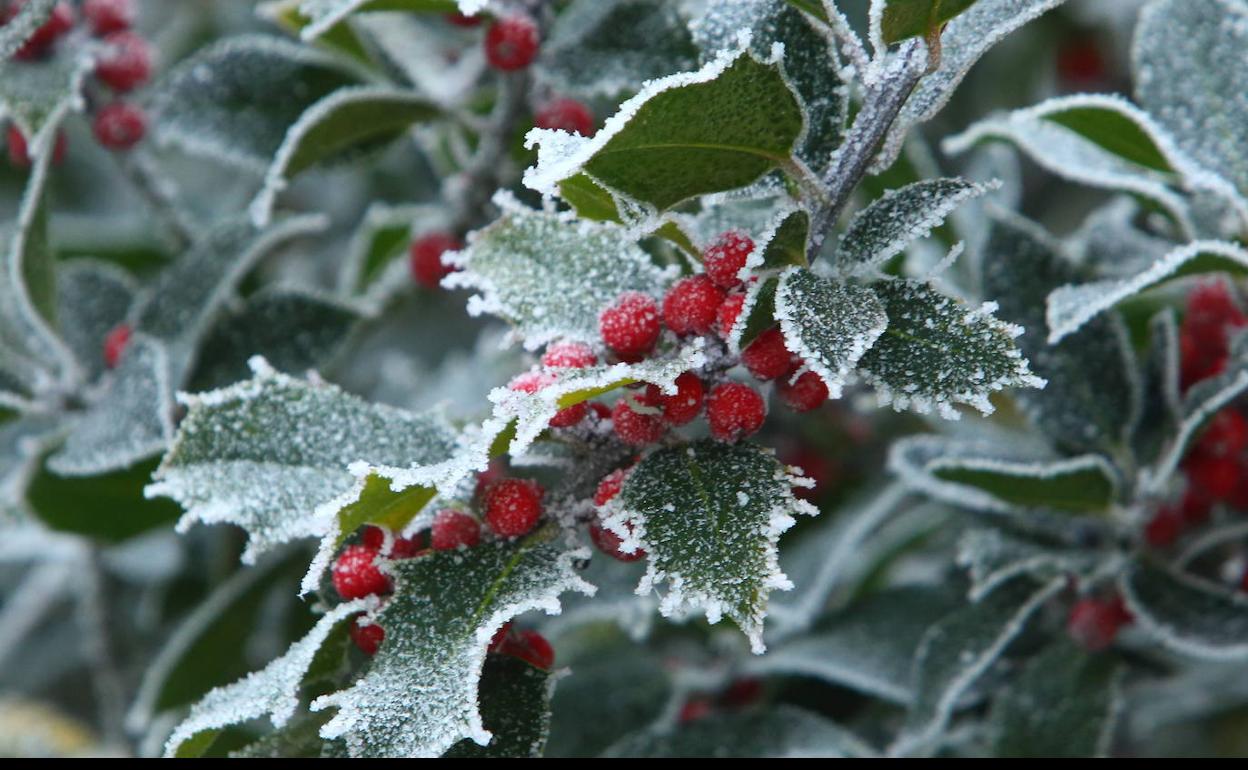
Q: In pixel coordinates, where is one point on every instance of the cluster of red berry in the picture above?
(741, 693)
(124, 64)
(1094, 622)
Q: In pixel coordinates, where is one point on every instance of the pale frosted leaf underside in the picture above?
(1185, 614)
(785, 731)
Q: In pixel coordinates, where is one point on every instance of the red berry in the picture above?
(513, 506)
(631, 326)
(1195, 508)
(511, 43)
(735, 411)
(126, 63)
(19, 154)
(425, 258)
(725, 257)
(610, 486)
(609, 543)
(120, 126)
(638, 428)
(726, 316)
(452, 529)
(742, 692)
(1225, 435)
(1080, 63)
(107, 16)
(568, 355)
(115, 343)
(694, 709)
(691, 305)
(407, 548)
(532, 382)
(766, 357)
(566, 115)
(602, 410)
(815, 466)
(492, 473)
(683, 407)
(460, 20)
(356, 575)
(373, 537)
(1094, 623)
(1203, 337)
(367, 638)
(61, 21)
(500, 638)
(531, 647)
(1165, 526)
(1213, 477)
(805, 393)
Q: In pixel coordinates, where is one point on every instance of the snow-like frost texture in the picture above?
(30, 16)
(419, 696)
(271, 691)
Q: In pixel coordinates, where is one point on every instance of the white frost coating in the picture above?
(1154, 480)
(323, 15)
(276, 177)
(1227, 533)
(843, 32)
(1187, 614)
(271, 691)
(30, 16)
(1069, 307)
(754, 261)
(993, 558)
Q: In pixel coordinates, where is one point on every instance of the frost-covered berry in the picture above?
(500, 638)
(356, 575)
(19, 152)
(735, 411)
(126, 62)
(691, 305)
(425, 258)
(119, 126)
(566, 115)
(683, 407)
(532, 382)
(1165, 527)
(724, 258)
(1214, 477)
(61, 21)
(452, 529)
(729, 311)
(513, 506)
(609, 543)
(531, 647)
(631, 326)
(805, 393)
(568, 355)
(115, 343)
(638, 419)
(511, 43)
(407, 548)
(367, 638)
(1226, 435)
(1094, 623)
(695, 709)
(766, 357)
(372, 537)
(1204, 341)
(108, 16)
(610, 486)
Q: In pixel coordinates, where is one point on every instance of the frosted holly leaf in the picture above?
(709, 517)
(1161, 401)
(1002, 477)
(267, 453)
(294, 330)
(1082, 408)
(235, 100)
(37, 95)
(689, 134)
(993, 557)
(550, 274)
(758, 313)
(1070, 307)
(416, 50)
(936, 352)
(129, 420)
(324, 15)
(1064, 703)
(1191, 77)
(811, 64)
(299, 738)
(23, 439)
(781, 245)
(92, 298)
(514, 698)
(592, 48)
(829, 324)
(185, 298)
(966, 38)
(1185, 614)
(884, 229)
(419, 696)
(868, 647)
(17, 30)
(342, 37)
(903, 19)
(343, 126)
(1110, 245)
(273, 691)
(379, 244)
(955, 652)
(782, 731)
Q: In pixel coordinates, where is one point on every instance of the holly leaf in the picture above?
(1185, 614)
(37, 95)
(1062, 704)
(515, 709)
(716, 129)
(17, 30)
(550, 275)
(783, 243)
(709, 517)
(903, 19)
(782, 731)
(92, 298)
(445, 608)
(994, 556)
(936, 352)
(108, 507)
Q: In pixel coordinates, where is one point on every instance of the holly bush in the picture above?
(498, 378)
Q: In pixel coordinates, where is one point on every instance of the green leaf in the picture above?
(830, 325)
(37, 95)
(685, 135)
(92, 298)
(784, 243)
(343, 126)
(1185, 614)
(709, 517)
(782, 731)
(937, 351)
(324, 15)
(267, 453)
(235, 100)
(1062, 704)
(994, 556)
(298, 739)
(758, 313)
(108, 507)
(515, 708)
(439, 621)
(904, 19)
(1085, 486)
(1114, 124)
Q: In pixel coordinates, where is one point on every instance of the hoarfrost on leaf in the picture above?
(93, 297)
(1185, 614)
(783, 731)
